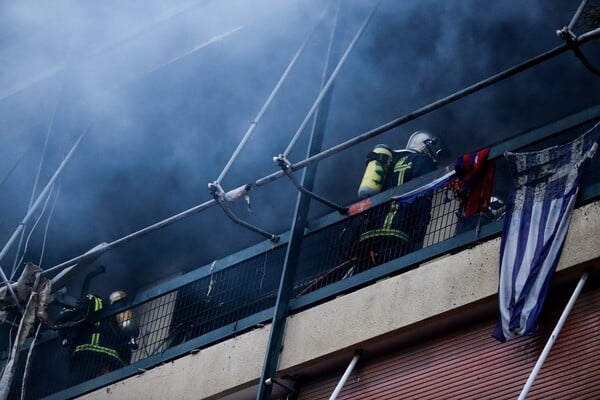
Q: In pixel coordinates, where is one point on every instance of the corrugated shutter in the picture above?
(469, 364)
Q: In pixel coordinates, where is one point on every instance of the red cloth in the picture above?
(474, 182)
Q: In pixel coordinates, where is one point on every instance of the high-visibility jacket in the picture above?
(100, 337)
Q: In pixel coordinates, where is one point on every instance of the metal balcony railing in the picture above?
(238, 293)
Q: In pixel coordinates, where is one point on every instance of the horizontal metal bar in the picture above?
(525, 138)
(421, 111)
(395, 266)
(154, 227)
(537, 135)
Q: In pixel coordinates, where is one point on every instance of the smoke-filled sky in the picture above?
(170, 87)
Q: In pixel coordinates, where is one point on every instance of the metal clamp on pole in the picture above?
(222, 198)
(273, 381)
(572, 41)
(286, 167)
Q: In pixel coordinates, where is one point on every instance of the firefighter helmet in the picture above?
(116, 296)
(425, 142)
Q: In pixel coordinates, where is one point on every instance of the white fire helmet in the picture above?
(116, 296)
(425, 142)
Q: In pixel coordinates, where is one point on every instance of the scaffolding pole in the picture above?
(553, 336)
(292, 253)
(584, 38)
(154, 227)
(266, 104)
(346, 375)
(342, 146)
(330, 81)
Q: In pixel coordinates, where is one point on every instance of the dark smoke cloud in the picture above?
(168, 112)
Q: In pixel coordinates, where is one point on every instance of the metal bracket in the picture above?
(571, 40)
(222, 197)
(273, 381)
(286, 167)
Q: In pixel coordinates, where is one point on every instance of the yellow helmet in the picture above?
(116, 296)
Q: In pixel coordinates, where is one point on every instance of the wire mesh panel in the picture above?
(154, 318)
(97, 347)
(378, 235)
(224, 295)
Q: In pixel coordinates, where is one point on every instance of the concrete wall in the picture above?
(442, 285)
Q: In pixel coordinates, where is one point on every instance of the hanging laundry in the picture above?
(473, 182)
(544, 188)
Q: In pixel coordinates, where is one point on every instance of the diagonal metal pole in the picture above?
(584, 38)
(292, 254)
(96, 251)
(267, 103)
(349, 369)
(577, 14)
(553, 336)
(15, 267)
(330, 81)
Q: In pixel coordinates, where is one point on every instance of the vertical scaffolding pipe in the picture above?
(553, 336)
(292, 254)
(346, 375)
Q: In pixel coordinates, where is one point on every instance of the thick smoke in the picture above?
(172, 86)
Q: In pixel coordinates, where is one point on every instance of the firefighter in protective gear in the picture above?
(395, 229)
(125, 320)
(97, 346)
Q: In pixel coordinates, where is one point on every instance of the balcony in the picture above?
(210, 308)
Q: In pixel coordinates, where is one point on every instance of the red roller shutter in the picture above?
(469, 364)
